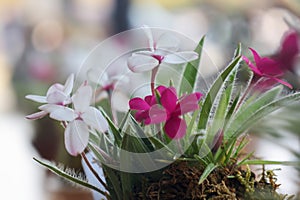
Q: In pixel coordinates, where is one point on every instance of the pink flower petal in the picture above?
(150, 100)
(175, 128)
(188, 103)
(82, 98)
(36, 98)
(269, 67)
(169, 99)
(141, 63)
(141, 116)
(160, 89)
(138, 104)
(76, 137)
(255, 55)
(37, 115)
(95, 119)
(157, 114)
(252, 67)
(283, 83)
(290, 45)
(180, 57)
(289, 50)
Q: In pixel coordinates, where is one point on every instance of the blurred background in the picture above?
(42, 42)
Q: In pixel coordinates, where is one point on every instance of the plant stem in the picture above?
(94, 172)
(113, 111)
(153, 75)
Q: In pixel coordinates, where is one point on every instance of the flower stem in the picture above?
(95, 173)
(153, 75)
(113, 111)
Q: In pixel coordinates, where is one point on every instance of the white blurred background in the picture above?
(41, 42)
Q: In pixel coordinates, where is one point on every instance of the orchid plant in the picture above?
(172, 123)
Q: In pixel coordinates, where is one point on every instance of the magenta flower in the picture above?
(288, 52)
(168, 110)
(266, 68)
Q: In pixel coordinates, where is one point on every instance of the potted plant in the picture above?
(177, 141)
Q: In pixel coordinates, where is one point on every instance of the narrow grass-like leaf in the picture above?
(67, 176)
(271, 162)
(202, 160)
(240, 147)
(253, 117)
(222, 105)
(229, 152)
(188, 81)
(113, 128)
(141, 135)
(124, 122)
(244, 113)
(213, 91)
(209, 168)
(242, 162)
(158, 144)
(113, 182)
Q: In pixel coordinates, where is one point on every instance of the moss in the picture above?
(180, 181)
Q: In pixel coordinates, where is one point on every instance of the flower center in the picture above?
(158, 57)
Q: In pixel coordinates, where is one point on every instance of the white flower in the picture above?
(113, 85)
(57, 94)
(161, 51)
(80, 119)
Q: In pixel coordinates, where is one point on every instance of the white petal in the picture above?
(37, 115)
(55, 87)
(69, 85)
(37, 98)
(56, 97)
(145, 53)
(141, 63)
(120, 101)
(76, 137)
(50, 107)
(60, 113)
(96, 75)
(180, 57)
(167, 42)
(95, 119)
(149, 35)
(82, 98)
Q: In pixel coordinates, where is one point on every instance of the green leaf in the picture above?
(228, 152)
(213, 91)
(124, 122)
(209, 168)
(238, 51)
(188, 81)
(158, 144)
(242, 162)
(113, 182)
(221, 107)
(113, 128)
(247, 120)
(141, 136)
(52, 167)
(271, 162)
